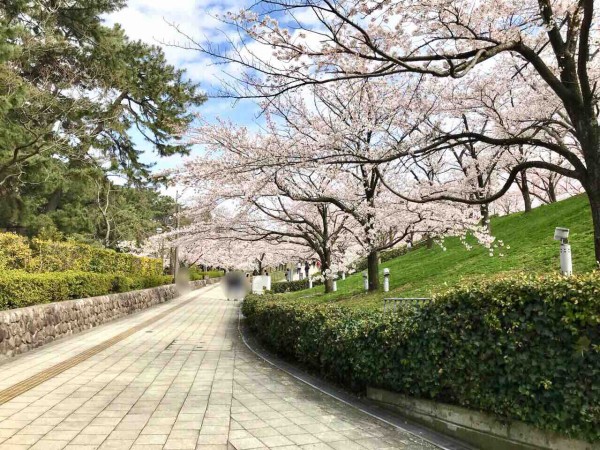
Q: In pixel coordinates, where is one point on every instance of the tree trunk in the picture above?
(429, 240)
(325, 264)
(551, 192)
(107, 234)
(54, 200)
(484, 210)
(524, 187)
(373, 270)
(328, 285)
(594, 198)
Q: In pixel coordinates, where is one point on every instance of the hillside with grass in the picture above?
(528, 247)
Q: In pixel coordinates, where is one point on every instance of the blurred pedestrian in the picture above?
(235, 286)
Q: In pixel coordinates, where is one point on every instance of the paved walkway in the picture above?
(185, 381)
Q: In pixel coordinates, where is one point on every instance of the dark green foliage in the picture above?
(292, 286)
(81, 204)
(19, 289)
(80, 103)
(70, 83)
(524, 348)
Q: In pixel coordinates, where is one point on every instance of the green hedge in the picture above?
(19, 289)
(292, 286)
(523, 348)
(196, 274)
(38, 256)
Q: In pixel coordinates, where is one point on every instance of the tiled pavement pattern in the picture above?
(184, 382)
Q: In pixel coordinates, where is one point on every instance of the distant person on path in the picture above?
(299, 268)
(235, 285)
(306, 268)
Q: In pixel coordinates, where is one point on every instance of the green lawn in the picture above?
(532, 249)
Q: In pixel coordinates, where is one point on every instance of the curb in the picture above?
(363, 405)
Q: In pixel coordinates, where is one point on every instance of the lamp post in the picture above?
(365, 280)
(177, 223)
(386, 280)
(159, 230)
(566, 264)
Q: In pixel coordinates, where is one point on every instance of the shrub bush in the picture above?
(14, 251)
(196, 274)
(38, 256)
(19, 288)
(524, 348)
(292, 286)
(151, 281)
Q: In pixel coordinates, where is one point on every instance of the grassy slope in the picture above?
(532, 249)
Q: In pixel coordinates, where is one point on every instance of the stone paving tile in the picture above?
(184, 382)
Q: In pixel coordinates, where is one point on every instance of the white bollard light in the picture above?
(566, 263)
(365, 280)
(334, 287)
(343, 275)
(310, 283)
(386, 280)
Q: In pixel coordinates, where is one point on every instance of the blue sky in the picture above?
(151, 21)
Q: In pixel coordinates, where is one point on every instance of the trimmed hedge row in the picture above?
(525, 348)
(196, 274)
(18, 253)
(292, 286)
(19, 289)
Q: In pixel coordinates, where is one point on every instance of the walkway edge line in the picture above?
(48, 373)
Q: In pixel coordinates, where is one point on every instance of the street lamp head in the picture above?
(159, 230)
(561, 234)
(386, 272)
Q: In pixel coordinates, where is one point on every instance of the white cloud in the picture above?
(154, 21)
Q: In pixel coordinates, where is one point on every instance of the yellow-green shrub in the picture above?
(39, 256)
(197, 274)
(14, 251)
(19, 288)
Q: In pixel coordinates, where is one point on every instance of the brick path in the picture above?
(185, 381)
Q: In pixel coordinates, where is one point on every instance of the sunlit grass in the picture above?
(529, 247)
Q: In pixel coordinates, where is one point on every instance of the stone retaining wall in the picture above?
(23, 329)
(482, 430)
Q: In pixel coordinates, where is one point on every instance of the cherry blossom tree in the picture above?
(259, 212)
(319, 152)
(531, 66)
